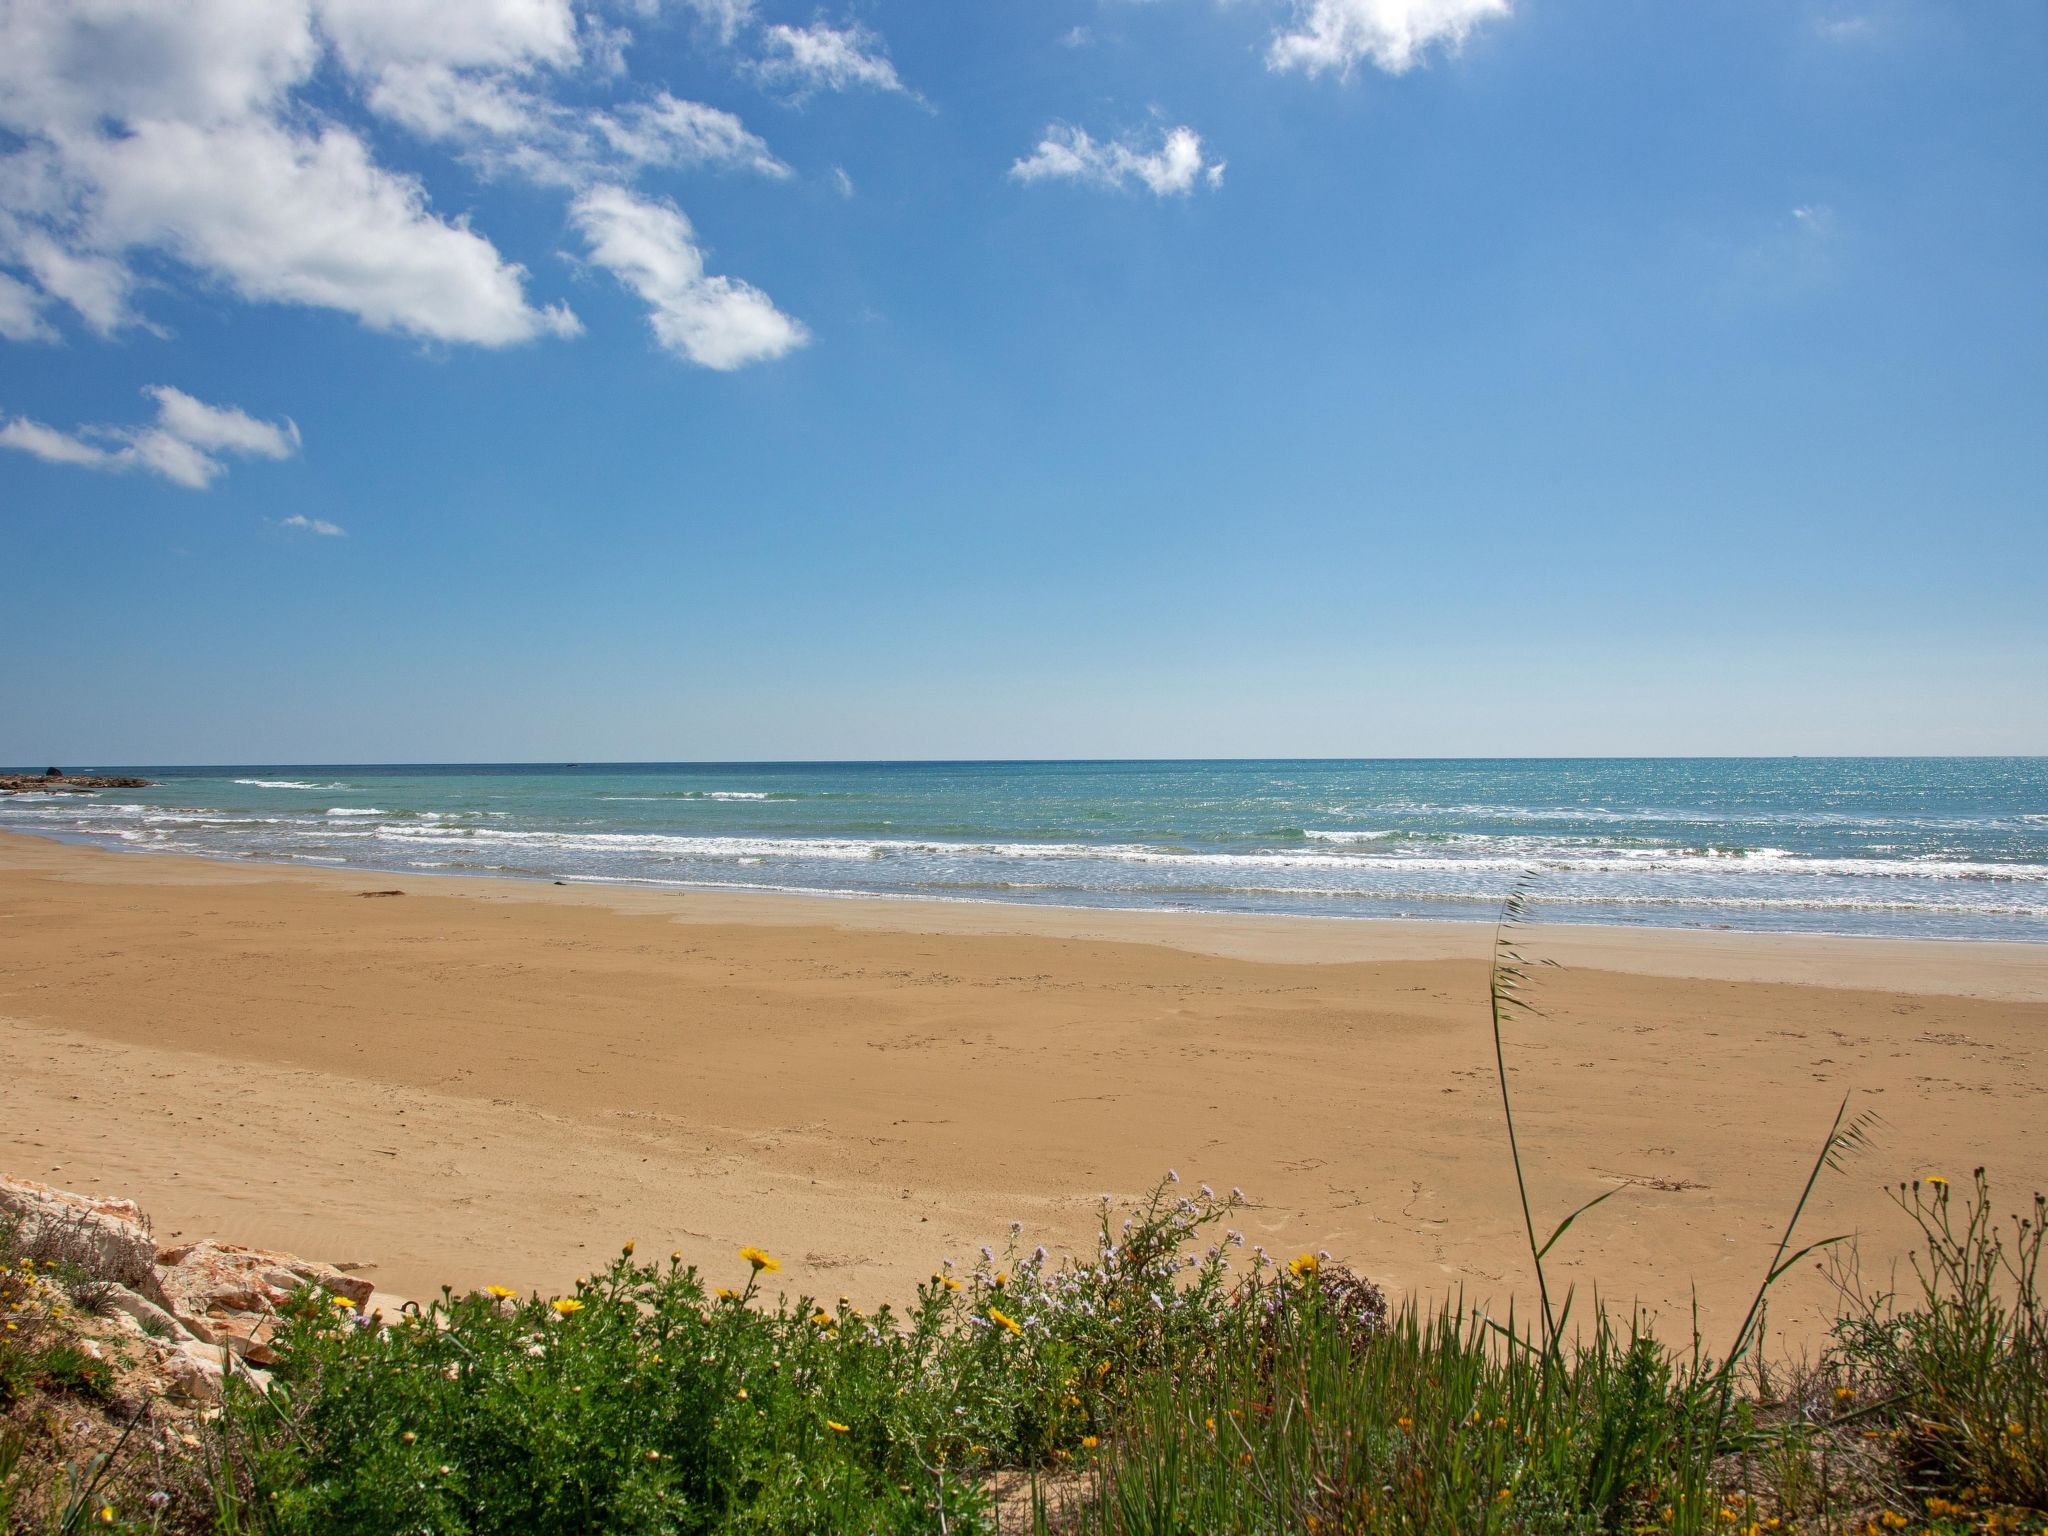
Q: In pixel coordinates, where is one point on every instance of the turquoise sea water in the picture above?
(1953, 847)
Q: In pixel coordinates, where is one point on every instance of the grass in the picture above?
(1177, 1383)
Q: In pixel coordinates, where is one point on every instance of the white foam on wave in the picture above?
(286, 784)
(1332, 835)
(1776, 861)
(352, 810)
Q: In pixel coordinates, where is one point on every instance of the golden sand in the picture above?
(488, 1081)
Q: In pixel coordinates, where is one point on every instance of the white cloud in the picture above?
(21, 312)
(221, 428)
(821, 57)
(717, 322)
(727, 18)
(143, 129)
(1066, 153)
(184, 445)
(841, 182)
(171, 128)
(1393, 35)
(370, 35)
(668, 131)
(506, 129)
(318, 525)
(310, 220)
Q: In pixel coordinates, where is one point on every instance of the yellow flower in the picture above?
(762, 1263)
(1304, 1267)
(342, 1301)
(628, 1249)
(835, 1426)
(951, 1283)
(824, 1319)
(567, 1306)
(106, 1514)
(741, 1394)
(500, 1292)
(1937, 1181)
(726, 1293)
(1089, 1442)
(1004, 1321)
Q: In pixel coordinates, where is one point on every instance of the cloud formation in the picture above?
(820, 57)
(185, 445)
(187, 131)
(1393, 35)
(318, 525)
(1067, 153)
(649, 246)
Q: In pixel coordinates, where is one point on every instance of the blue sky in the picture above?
(1021, 378)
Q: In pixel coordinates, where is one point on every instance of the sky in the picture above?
(512, 380)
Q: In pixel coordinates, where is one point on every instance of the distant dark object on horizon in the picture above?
(56, 781)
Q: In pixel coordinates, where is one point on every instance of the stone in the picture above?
(146, 1314)
(225, 1294)
(108, 1238)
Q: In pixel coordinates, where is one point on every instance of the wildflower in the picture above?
(627, 1251)
(951, 1284)
(1004, 1321)
(1090, 1442)
(500, 1292)
(407, 1438)
(1016, 1227)
(835, 1426)
(106, 1514)
(1173, 1175)
(762, 1263)
(1843, 1394)
(741, 1394)
(342, 1301)
(1304, 1267)
(654, 1455)
(823, 1319)
(726, 1293)
(566, 1306)
(1937, 1182)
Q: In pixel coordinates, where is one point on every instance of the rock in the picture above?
(230, 1295)
(108, 1238)
(194, 1371)
(147, 1315)
(55, 782)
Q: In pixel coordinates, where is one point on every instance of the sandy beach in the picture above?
(488, 1081)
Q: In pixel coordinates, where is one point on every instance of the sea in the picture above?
(1934, 847)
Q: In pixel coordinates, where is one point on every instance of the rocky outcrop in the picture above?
(55, 783)
(229, 1296)
(107, 1238)
(198, 1309)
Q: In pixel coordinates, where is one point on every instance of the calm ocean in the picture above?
(1954, 848)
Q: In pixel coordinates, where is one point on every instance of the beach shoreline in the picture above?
(489, 1080)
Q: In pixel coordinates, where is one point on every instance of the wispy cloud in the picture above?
(317, 525)
(1392, 35)
(185, 445)
(821, 57)
(1067, 153)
